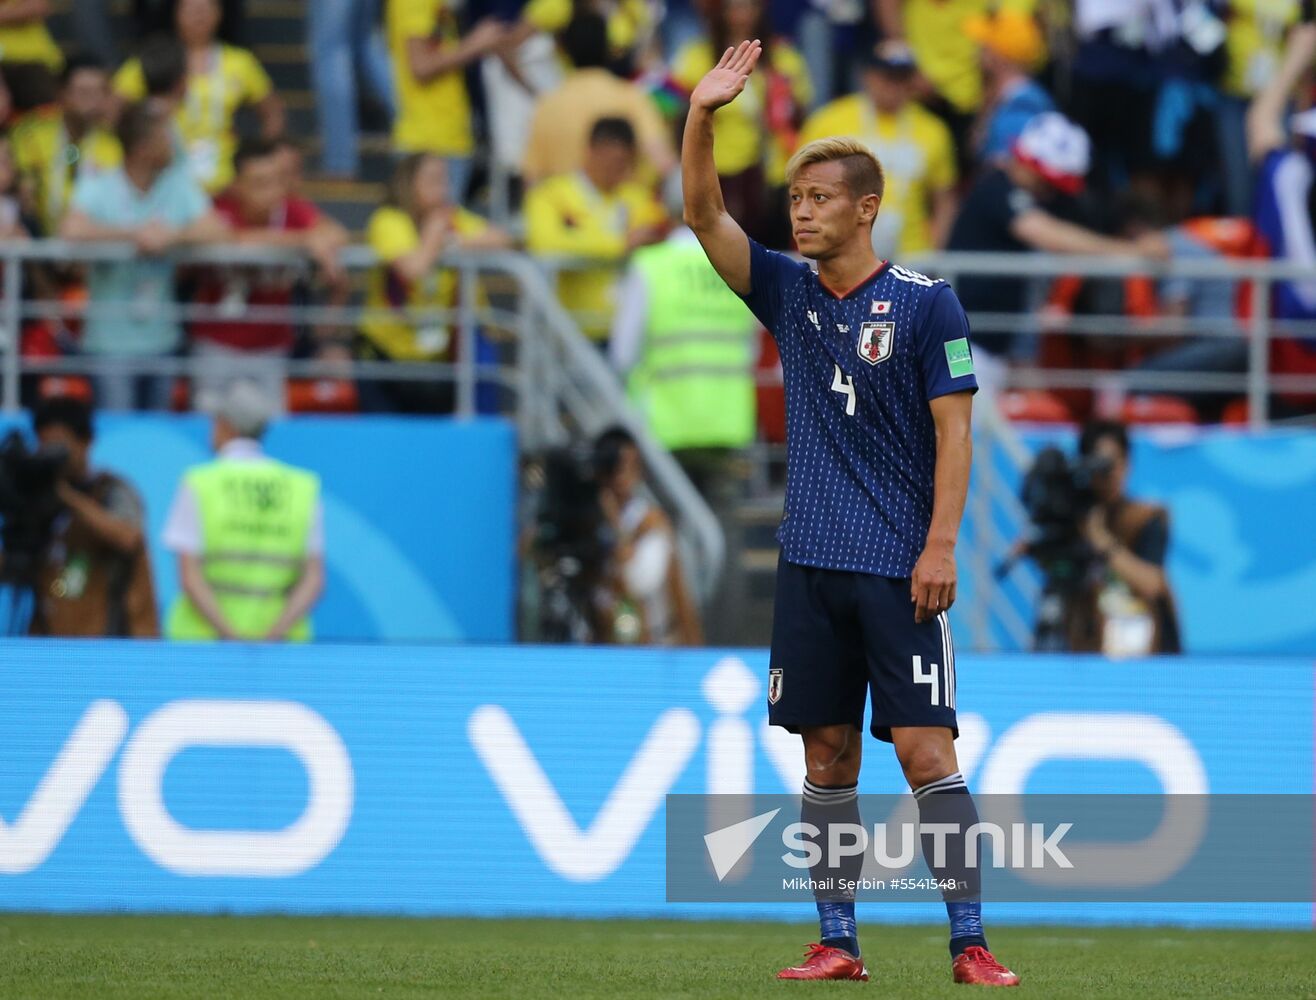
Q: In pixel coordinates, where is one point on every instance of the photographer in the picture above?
(1120, 602)
(645, 598)
(94, 576)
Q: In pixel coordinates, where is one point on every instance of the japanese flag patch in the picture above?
(879, 308)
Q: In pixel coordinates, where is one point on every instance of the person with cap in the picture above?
(1285, 201)
(913, 145)
(248, 533)
(1010, 46)
(1027, 203)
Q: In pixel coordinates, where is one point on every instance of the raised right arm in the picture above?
(723, 240)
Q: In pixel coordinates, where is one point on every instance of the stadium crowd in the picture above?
(1154, 128)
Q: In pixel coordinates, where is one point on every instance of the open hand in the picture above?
(724, 82)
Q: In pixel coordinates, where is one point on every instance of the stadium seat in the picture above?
(54, 386)
(1035, 406)
(1236, 412)
(322, 395)
(1158, 410)
(180, 396)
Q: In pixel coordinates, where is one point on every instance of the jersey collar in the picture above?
(846, 294)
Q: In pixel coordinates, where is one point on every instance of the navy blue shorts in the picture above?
(839, 638)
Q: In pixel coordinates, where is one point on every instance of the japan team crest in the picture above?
(774, 685)
(876, 341)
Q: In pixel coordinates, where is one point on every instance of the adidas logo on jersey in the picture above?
(813, 318)
(913, 277)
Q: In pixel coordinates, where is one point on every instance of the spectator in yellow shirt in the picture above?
(947, 57)
(421, 222)
(563, 117)
(914, 145)
(755, 134)
(430, 57)
(220, 80)
(56, 146)
(629, 23)
(1254, 42)
(599, 212)
(23, 34)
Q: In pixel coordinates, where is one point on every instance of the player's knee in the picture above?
(924, 762)
(832, 752)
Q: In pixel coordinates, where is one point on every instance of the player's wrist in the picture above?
(942, 542)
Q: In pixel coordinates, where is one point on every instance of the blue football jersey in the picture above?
(861, 444)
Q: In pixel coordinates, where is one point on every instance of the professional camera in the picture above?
(571, 543)
(29, 505)
(1057, 494)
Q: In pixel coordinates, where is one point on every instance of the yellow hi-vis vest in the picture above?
(255, 522)
(694, 382)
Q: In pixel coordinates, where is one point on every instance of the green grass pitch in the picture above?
(288, 958)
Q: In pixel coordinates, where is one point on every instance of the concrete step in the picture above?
(758, 520)
(376, 151)
(267, 23)
(350, 202)
(277, 21)
(285, 62)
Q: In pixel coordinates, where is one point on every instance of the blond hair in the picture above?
(863, 171)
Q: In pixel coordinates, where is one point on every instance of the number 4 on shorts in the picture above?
(929, 677)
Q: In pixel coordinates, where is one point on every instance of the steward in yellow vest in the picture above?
(248, 534)
(688, 344)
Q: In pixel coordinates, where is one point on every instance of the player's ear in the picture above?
(868, 208)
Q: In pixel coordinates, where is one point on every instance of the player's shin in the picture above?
(946, 813)
(827, 809)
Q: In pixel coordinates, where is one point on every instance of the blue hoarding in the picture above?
(410, 506)
(1241, 544)
(500, 781)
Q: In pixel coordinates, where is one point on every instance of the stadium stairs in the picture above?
(275, 30)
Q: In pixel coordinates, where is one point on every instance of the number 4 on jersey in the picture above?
(844, 384)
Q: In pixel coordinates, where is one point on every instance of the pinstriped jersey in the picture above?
(860, 370)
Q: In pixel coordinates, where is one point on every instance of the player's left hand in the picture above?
(932, 584)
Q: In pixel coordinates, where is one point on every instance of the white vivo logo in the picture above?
(730, 750)
(28, 841)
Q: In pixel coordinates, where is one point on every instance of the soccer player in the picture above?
(879, 387)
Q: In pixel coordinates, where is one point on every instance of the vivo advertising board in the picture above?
(520, 781)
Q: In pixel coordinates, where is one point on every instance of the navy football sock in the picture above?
(947, 800)
(836, 916)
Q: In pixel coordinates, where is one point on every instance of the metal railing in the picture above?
(563, 389)
(995, 517)
(559, 386)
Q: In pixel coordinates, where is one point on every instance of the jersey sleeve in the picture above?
(390, 236)
(770, 274)
(254, 82)
(412, 18)
(1153, 541)
(130, 82)
(943, 346)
